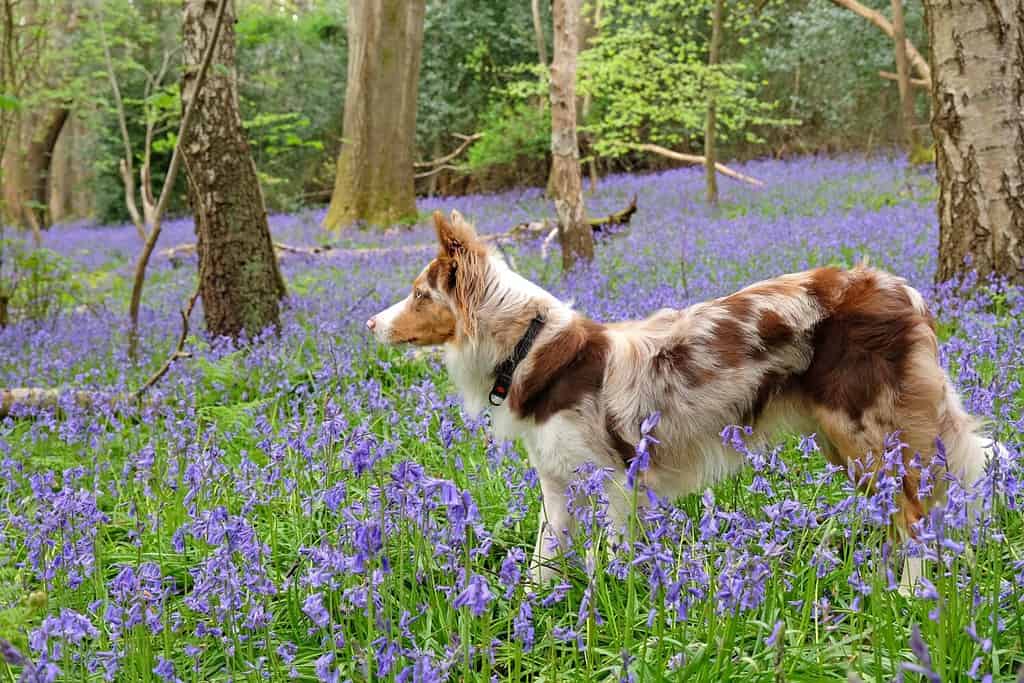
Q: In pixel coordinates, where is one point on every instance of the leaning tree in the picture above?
(239, 280)
(977, 69)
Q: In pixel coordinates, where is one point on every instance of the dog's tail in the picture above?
(968, 449)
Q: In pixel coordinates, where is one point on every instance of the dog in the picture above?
(848, 354)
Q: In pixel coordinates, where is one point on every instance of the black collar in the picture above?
(503, 372)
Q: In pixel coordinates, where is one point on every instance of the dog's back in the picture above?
(849, 354)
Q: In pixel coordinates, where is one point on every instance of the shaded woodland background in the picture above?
(279, 106)
(812, 63)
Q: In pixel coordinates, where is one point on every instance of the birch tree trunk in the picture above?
(710, 171)
(575, 234)
(239, 280)
(374, 181)
(977, 57)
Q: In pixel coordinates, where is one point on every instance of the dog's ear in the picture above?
(454, 236)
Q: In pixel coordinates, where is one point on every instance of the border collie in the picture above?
(850, 355)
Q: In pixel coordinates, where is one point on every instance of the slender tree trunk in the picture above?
(538, 34)
(977, 56)
(903, 75)
(374, 181)
(575, 233)
(239, 279)
(589, 24)
(710, 171)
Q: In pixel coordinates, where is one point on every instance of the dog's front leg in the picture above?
(554, 527)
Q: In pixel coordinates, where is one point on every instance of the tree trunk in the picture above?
(374, 181)
(62, 171)
(239, 279)
(538, 34)
(589, 24)
(978, 125)
(575, 234)
(27, 167)
(903, 76)
(710, 161)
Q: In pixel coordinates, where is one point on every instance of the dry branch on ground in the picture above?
(697, 159)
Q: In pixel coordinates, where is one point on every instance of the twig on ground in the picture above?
(179, 350)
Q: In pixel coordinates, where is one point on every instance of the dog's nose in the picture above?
(371, 323)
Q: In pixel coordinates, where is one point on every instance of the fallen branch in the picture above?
(697, 159)
(467, 140)
(878, 19)
(189, 248)
(435, 171)
(916, 82)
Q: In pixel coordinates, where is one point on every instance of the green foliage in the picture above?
(35, 283)
(472, 51)
(276, 141)
(512, 132)
(821, 63)
(291, 80)
(649, 77)
(141, 36)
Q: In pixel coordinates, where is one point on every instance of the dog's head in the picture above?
(442, 304)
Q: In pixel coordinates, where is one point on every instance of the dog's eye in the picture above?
(420, 295)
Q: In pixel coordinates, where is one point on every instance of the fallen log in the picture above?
(519, 231)
(622, 217)
(697, 159)
(38, 398)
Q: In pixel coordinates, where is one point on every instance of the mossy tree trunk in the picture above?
(977, 68)
(240, 283)
(374, 181)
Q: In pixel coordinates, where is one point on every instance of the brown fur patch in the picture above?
(423, 322)
(774, 332)
(460, 267)
(827, 286)
(740, 306)
(564, 371)
(680, 358)
(861, 348)
(730, 342)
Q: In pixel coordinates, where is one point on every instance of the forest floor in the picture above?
(314, 505)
